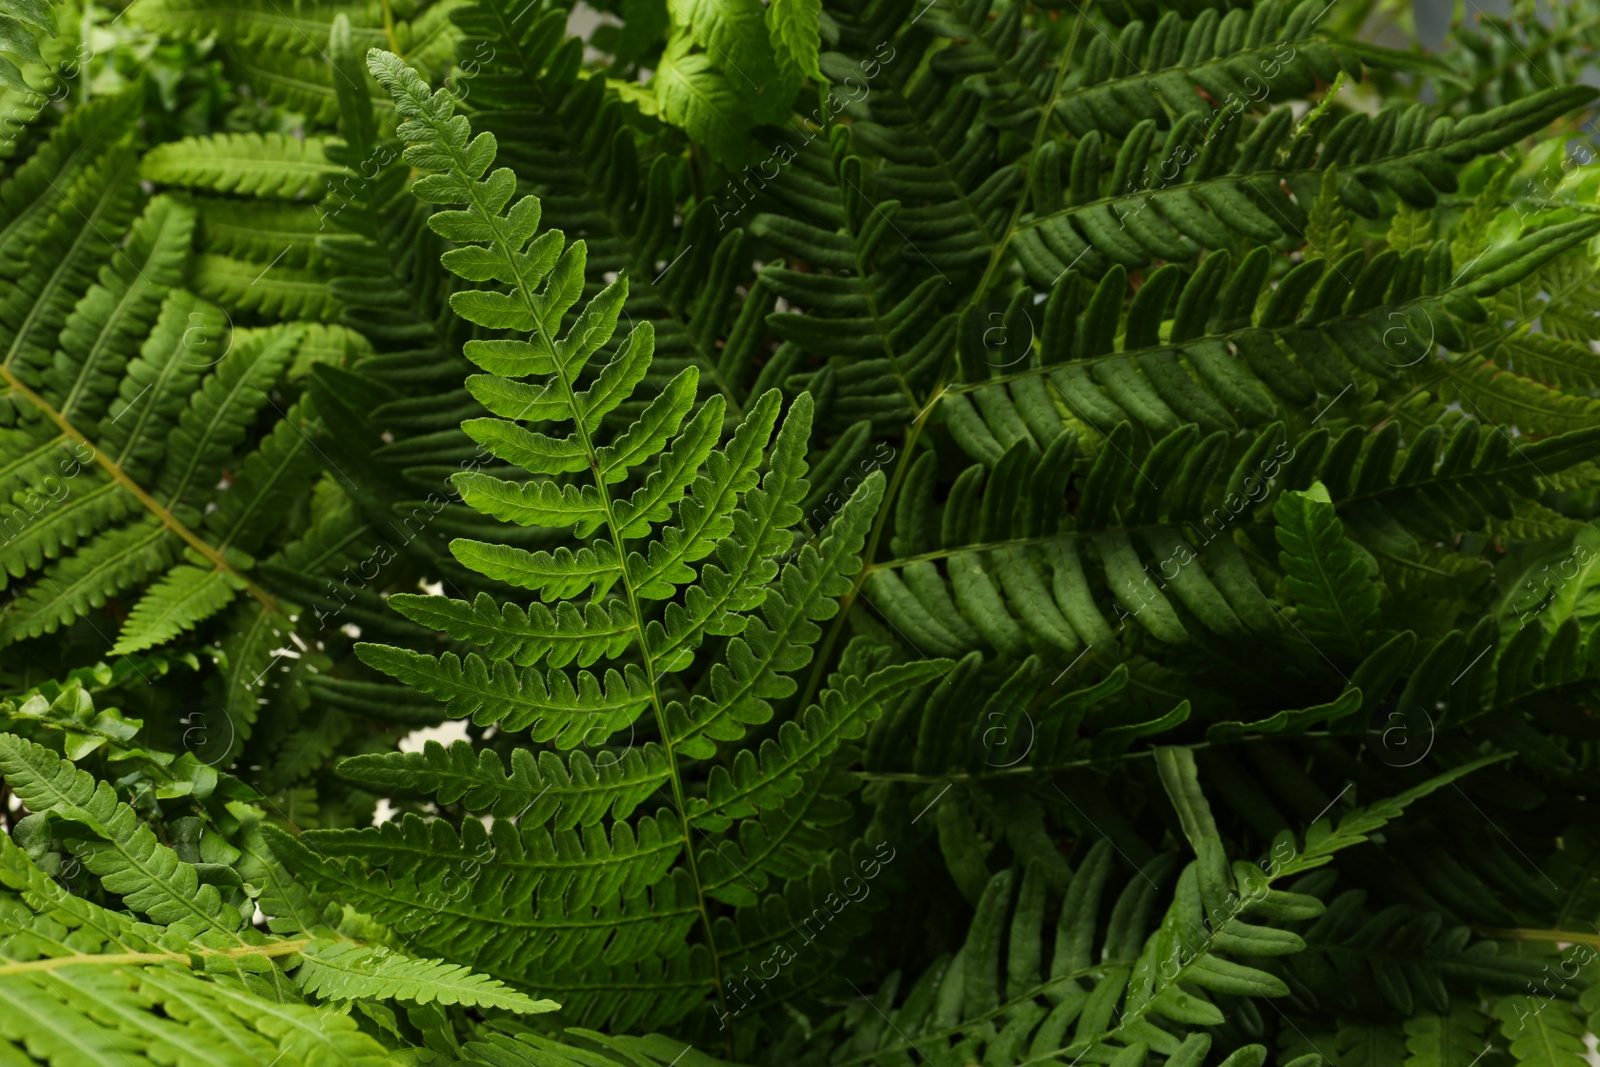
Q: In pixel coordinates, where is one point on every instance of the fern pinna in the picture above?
(615, 920)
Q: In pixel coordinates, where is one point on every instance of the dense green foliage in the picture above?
(937, 531)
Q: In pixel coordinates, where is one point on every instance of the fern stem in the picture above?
(268, 951)
(675, 776)
(388, 29)
(1571, 937)
(121, 477)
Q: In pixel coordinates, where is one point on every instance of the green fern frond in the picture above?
(259, 232)
(1451, 1039)
(1547, 1035)
(583, 1048)
(110, 321)
(200, 982)
(1328, 222)
(1108, 989)
(75, 586)
(41, 296)
(32, 192)
(264, 25)
(538, 789)
(19, 31)
(186, 596)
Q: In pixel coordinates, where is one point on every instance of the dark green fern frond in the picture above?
(883, 330)
(1234, 185)
(1027, 984)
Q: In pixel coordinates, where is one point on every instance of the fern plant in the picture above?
(957, 532)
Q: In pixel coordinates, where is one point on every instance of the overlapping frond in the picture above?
(90, 983)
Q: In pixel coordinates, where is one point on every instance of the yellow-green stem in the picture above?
(120, 476)
(267, 951)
